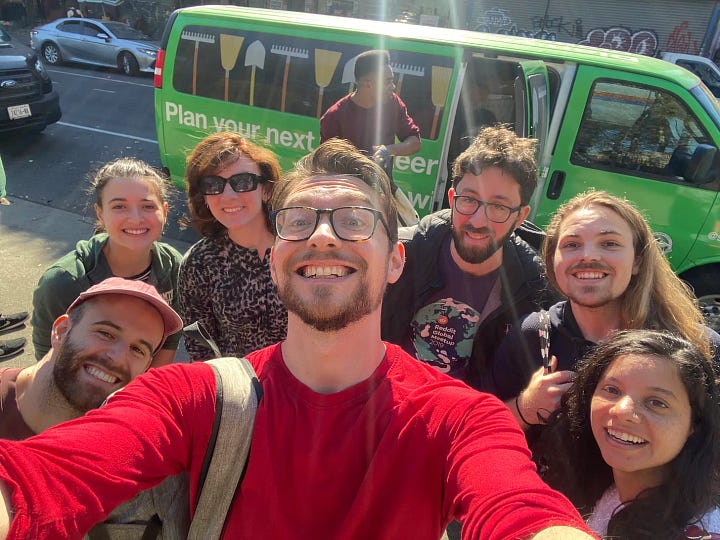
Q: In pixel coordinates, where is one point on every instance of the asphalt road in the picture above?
(105, 115)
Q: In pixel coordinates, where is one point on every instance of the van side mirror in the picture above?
(700, 169)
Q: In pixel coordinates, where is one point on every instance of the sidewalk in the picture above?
(32, 237)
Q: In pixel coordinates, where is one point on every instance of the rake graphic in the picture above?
(406, 69)
(287, 52)
(197, 37)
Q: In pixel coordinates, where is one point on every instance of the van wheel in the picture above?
(128, 65)
(706, 284)
(51, 54)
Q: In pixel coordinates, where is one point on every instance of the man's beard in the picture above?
(317, 313)
(477, 254)
(66, 372)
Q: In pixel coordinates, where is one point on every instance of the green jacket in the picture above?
(77, 271)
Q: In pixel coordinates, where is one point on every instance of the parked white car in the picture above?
(703, 67)
(91, 41)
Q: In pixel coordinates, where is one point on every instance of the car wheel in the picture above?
(706, 284)
(51, 54)
(127, 64)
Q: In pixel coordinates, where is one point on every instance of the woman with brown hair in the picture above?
(225, 283)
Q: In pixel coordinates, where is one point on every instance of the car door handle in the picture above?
(557, 181)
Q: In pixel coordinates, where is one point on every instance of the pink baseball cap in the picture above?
(115, 285)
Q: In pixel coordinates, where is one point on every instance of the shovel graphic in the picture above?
(288, 52)
(229, 51)
(406, 69)
(197, 37)
(439, 90)
(325, 65)
(348, 75)
(255, 57)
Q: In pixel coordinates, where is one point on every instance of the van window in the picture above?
(641, 131)
(299, 75)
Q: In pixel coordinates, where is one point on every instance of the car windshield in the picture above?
(123, 31)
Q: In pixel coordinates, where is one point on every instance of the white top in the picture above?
(610, 502)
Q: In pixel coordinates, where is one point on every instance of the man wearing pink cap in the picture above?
(107, 337)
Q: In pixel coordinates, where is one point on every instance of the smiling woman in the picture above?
(225, 283)
(636, 443)
(131, 207)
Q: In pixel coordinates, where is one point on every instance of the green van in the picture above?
(632, 125)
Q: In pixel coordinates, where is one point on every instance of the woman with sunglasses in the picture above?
(224, 282)
(636, 443)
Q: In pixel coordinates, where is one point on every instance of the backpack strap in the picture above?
(238, 394)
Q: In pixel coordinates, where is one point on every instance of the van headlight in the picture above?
(40, 68)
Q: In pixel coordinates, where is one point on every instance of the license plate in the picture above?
(19, 111)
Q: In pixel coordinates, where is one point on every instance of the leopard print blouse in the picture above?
(227, 288)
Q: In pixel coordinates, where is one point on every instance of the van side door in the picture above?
(640, 138)
(532, 103)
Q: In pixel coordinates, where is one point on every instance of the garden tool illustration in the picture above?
(197, 37)
(288, 52)
(229, 50)
(255, 57)
(348, 75)
(406, 69)
(325, 65)
(438, 94)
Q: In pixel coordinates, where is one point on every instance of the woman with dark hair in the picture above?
(131, 205)
(225, 283)
(636, 442)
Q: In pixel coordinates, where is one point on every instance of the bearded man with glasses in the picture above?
(468, 276)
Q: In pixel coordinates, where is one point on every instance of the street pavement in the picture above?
(32, 237)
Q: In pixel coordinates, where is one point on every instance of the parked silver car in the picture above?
(91, 41)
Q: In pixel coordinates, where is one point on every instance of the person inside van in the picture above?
(601, 255)
(224, 282)
(355, 117)
(636, 443)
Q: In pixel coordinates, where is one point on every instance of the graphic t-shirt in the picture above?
(442, 331)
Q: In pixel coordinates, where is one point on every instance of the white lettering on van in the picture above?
(416, 164)
(291, 139)
(183, 117)
(228, 124)
(418, 200)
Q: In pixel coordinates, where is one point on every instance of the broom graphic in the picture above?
(325, 65)
(229, 51)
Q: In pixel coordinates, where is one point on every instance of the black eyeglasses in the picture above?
(241, 182)
(495, 212)
(350, 223)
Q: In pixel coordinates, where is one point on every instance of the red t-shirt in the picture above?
(397, 456)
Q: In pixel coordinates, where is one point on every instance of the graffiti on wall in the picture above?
(497, 21)
(681, 40)
(623, 39)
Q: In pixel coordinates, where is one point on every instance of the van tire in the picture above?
(51, 54)
(127, 64)
(705, 281)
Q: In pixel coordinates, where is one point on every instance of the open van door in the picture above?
(532, 102)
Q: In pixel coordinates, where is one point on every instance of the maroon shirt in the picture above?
(12, 425)
(347, 120)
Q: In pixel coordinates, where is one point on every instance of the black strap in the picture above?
(213, 435)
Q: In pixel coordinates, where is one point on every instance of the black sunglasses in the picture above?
(240, 182)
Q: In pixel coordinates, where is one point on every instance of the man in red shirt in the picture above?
(353, 438)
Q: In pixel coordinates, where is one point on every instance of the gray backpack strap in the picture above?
(240, 395)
